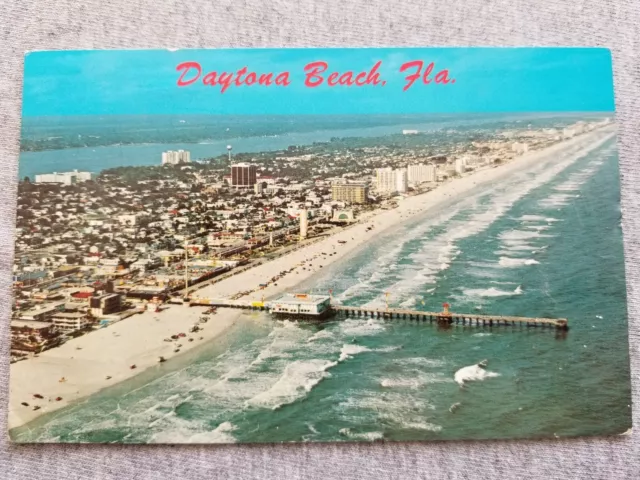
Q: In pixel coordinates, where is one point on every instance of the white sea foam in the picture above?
(390, 348)
(351, 349)
(296, 382)
(419, 379)
(353, 290)
(520, 247)
(432, 427)
(556, 200)
(516, 262)
(366, 436)
(320, 335)
(473, 373)
(422, 361)
(411, 302)
(386, 403)
(482, 334)
(357, 328)
(539, 228)
(517, 236)
(178, 430)
(285, 337)
(515, 253)
(490, 292)
(568, 186)
(222, 434)
(537, 218)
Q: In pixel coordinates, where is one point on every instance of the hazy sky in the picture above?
(101, 82)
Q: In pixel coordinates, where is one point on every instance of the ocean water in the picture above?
(545, 241)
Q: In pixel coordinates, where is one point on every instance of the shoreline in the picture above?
(86, 361)
(138, 340)
(310, 256)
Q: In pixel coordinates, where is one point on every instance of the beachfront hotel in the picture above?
(389, 180)
(349, 192)
(421, 173)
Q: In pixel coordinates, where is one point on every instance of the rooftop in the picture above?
(42, 309)
(29, 324)
(301, 298)
(68, 315)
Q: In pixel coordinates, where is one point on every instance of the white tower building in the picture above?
(402, 182)
(304, 224)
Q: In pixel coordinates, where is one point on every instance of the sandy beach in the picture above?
(87, 361)
(307, 261)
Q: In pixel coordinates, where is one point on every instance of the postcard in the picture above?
(318, 245)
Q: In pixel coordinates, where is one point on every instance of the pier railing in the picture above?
(442, 318)
(450, 317)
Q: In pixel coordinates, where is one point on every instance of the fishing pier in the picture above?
(448, 318)
(319, 307)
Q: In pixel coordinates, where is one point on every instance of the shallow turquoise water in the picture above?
(541, 243)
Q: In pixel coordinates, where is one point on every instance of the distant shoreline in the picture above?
(148, 153)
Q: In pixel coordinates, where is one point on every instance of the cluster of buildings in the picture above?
(48, 317)
(398, 180)
(581, 127)
(85, 249)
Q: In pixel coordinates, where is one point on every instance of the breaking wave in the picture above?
(491, 292)
(349, 350)
(296, 382)
(473, 373)
(516, 262)
(366, 436)
(416, 381)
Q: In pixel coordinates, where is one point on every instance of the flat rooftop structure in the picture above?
(43, 310)
(301, 304)
(31, 324)
(301, 298)
(68, 315)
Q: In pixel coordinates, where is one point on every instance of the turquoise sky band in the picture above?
(121, 82)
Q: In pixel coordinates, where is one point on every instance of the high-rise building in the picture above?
(402, 182)
(421, 173)
(258, 188)
(172, 157)
(66, 178)
(520, 147)
(461, 165)
(243, 175)
(385, 180)
(389, 180)
(349, 192)
(304, 224)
